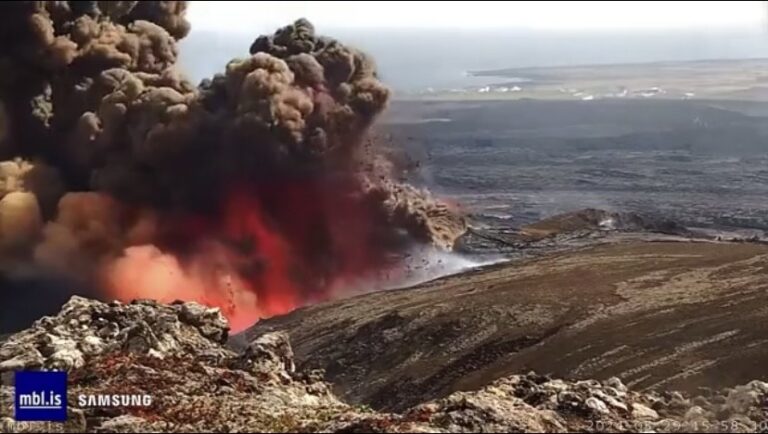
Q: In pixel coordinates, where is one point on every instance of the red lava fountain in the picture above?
(253, 263)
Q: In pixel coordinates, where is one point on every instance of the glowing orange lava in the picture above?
(266, 253)
(242, 267)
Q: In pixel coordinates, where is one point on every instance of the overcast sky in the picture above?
(235, 16)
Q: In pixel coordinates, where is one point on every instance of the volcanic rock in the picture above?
(199, 384)
(175, 353)
(591, 219)
(85, 329)
(582, 228)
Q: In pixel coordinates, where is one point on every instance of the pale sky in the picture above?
(236, 16)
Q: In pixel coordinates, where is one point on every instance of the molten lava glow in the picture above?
(238, 265)
(266, 253)
(147, 272)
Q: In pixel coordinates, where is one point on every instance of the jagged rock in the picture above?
(29, 360)
(758, 386)
(741, 399)
(641, 412)
(616, 384)
(209, 321)
(696, 416)
(176, 354)
(272, 350)
(270, 356)
(609, 400)
(597, 405)
(85, 328)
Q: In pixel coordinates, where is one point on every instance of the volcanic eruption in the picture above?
(257, 191)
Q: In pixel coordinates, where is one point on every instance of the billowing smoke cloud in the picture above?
(255, 191)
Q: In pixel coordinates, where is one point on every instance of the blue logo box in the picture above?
(41, 396)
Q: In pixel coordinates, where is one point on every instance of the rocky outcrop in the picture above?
(85, 329)
(176, 353)
(534, 403)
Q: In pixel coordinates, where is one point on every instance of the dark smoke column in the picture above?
(260, 187)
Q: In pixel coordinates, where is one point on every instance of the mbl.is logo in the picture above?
(41, 396)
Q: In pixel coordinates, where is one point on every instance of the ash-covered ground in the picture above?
(510, 163)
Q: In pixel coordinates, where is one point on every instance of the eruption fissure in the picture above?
(257, 191)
